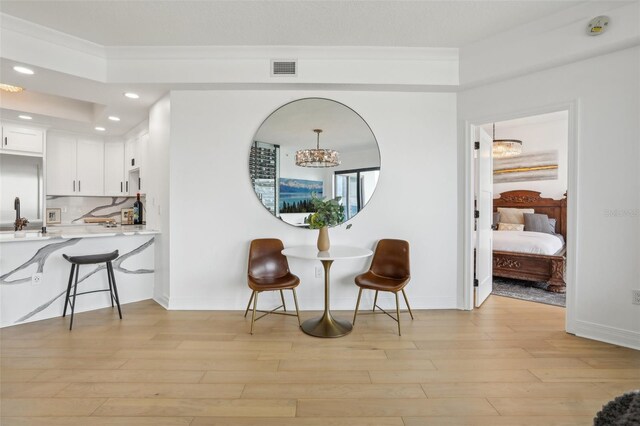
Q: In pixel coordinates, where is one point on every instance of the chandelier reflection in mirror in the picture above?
(317, 157)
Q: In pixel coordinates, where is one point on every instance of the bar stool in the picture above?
(92, 259)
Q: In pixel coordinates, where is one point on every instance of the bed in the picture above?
(532, 257)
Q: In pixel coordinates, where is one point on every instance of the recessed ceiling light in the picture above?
(132, 95)
(100, 129)
(114, 118)
(23, 70)
(25, 117)
(10, 88)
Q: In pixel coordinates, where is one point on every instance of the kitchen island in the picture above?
(34, 275)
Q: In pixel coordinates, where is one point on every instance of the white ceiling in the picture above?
(72, 103)
(83, 104)
(424, 23)
(526, 121)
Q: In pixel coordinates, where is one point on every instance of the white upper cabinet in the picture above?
(135, 154)
(143, 146)
(114, 176)
(61, 165)
(75, 166)
(131, 154)
(90, 167)
(87, 166)
(20, 139)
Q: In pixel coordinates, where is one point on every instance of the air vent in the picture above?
(284, 67)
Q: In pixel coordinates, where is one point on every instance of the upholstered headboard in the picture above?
(523, 199)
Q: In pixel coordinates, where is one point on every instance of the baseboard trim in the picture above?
(162, 300)
(604, 333)
(337, 303)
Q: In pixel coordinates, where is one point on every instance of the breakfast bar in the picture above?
(34, 275)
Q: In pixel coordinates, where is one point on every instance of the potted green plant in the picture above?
(329, 212)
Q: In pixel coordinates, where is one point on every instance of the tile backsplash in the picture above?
(75, 209)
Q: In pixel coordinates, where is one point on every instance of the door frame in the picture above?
(573, 108)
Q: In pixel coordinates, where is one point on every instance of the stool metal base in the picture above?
(70, 300)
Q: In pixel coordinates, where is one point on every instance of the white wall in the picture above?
(606, 90)
(536, 137)
(210, 136)
(158, 210)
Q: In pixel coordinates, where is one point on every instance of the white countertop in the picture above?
(76, 231)
(335, 252)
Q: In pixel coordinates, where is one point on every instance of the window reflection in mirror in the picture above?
(355, 188)
(284, 187)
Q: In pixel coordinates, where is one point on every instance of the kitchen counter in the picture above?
(34, 275)
(76, 231)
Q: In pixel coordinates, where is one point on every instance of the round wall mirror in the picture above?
(313, 147)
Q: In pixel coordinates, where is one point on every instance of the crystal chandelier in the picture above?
(10, 88)
(317, 157)
(505, 147)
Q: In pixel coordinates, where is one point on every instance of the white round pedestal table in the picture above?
(327, 325)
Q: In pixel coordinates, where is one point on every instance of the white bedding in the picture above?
(526, 242)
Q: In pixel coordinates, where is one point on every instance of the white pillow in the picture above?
(510, 227)
(511, 215)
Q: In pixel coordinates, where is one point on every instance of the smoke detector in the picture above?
(598, 25)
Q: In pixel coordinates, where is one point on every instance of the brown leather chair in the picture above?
(268, 270)
(389, 271)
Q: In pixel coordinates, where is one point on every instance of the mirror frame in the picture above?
(253, 140)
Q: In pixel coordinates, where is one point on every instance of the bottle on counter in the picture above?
(137, 211)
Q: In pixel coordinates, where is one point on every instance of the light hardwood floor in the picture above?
(508, 363)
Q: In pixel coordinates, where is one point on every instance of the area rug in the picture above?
(622, 411)
(527, 290)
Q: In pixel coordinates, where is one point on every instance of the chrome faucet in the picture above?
(20, 222)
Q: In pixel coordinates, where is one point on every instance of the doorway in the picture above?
(538, 179)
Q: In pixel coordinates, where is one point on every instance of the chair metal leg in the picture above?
(357, 305)
(295, 300)
(375, 300)
(284, 306)
(398, 313)
(249, 304)
(115, 287)
(75, 290)
(253, 316)
(66, 300)
(407, 302)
